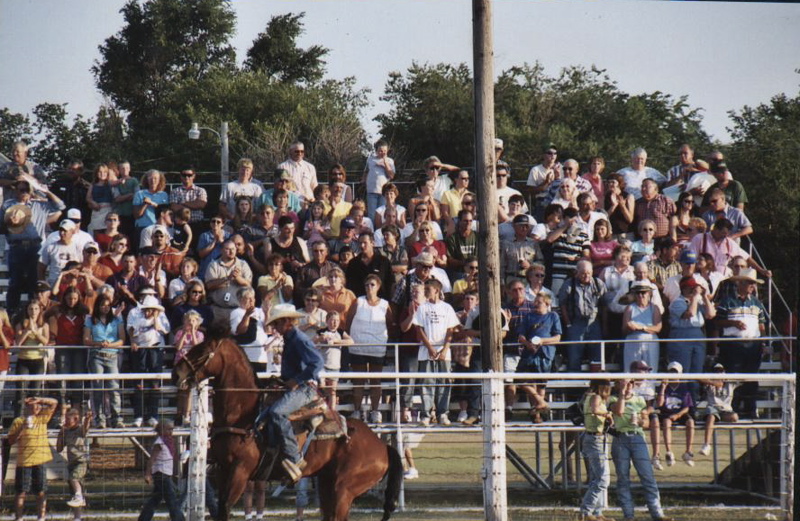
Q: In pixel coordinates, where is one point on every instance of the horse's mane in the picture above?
(218, 334)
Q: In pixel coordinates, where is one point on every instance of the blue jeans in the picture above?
(374, 201)
(278, 417)
(22, 270)
(146, 397)
(595, 453)
(435, 391)
(627, 449)
(72, 361)
(582, 329)
(691, 355)
(408, 364)
(100, 363)
(742, 357)
(163, 489)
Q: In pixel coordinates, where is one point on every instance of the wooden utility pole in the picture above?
(489, 277)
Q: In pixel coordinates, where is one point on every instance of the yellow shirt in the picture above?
(453, 200)
(340, 211)
(32, 446)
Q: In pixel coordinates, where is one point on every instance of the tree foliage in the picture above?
(275, 53)
(163, 43)
(13, 127)
(763, 156)
(581, 110)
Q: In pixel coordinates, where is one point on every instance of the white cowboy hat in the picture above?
(282, 311)
(151, 302)
(748, 274)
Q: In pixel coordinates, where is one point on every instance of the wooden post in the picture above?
(198, 450)
(494, 460)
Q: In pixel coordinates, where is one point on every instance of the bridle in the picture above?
(201, 363)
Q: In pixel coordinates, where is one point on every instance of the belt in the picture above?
(595, 433)
(97, 352)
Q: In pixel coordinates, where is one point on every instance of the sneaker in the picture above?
(77, 501)
(101, 423)
(119, 424)
(152, 422)
(444, 419)
(375, 417)
(688, 458)
(472, 420)
(411, 473)
(357, 415)
(461, 417)
(656, 461)
(425, 421)
(138, 422)
(670, 457)
(706, 450)
(294, 470)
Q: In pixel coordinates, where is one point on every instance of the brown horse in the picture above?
(346, 467)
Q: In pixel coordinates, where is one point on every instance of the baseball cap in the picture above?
(424, 259)
(91, 246)
(718, 168)
(675, 366)
(348, 223)
(688, 282)
(42, 286)
(640, 365)
(498, 143)
(74, 214)
(688, 257)
(718, 366)
(521, 219)
(66, 224)
(285, 175)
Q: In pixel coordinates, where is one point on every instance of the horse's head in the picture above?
(199, 363)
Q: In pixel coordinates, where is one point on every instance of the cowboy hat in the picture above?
(424, 259)
(150, 302)
(282, 311)
(637, 286)
(20, 212)
(747, 274)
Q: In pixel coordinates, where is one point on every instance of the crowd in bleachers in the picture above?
(108, 260)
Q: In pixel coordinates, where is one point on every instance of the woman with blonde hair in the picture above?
(33, 335)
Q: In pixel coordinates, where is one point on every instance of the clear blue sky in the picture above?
(722, 55)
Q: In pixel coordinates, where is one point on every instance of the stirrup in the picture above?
(294, 470)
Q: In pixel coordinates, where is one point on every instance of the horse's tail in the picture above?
(394, 480)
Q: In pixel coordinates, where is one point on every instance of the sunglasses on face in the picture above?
(432, 168)
(187, 175)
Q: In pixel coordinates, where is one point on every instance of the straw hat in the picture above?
(150, 302)
(637, 286)
(747, 274)
(19, 212)
(282, 311)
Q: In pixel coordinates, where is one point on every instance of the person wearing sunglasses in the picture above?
(718, 207)
(188, 195)
(304, 174)
(654, 206)
(209, 245)
(541, 176)
(433, 168)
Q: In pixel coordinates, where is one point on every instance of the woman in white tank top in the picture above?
(369, 327)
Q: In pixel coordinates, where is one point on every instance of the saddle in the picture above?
(319, 419)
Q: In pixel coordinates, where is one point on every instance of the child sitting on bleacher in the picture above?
(675, 405)
(719, 395)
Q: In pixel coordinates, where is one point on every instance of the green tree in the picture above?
(763, 157)
(431, 113)
(60, 140)
(275, 53)
(581, 110)
(162, 43)
(13, 127)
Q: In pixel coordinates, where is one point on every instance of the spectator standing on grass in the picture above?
(73, 437)
(594, 447)
(629, 447)
(436, 321)
(158, 471)
(33, 452)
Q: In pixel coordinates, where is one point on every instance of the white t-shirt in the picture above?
(304, 175)
(376, 173)
(55, 256)
(369, 327)
(435, 319)
(504, 194)
(236, 189)
(406, 232)
(255, 350)
(633, 179)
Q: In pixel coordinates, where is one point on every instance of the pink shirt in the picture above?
(722, 251)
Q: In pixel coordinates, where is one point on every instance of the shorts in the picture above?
(366, 360)
(510, 363)
(30, 480)
(77, 470)
(522, 367)
(717, 413)
(664, 414)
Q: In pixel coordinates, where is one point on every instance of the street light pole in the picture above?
(223, 141)
(194, 133)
